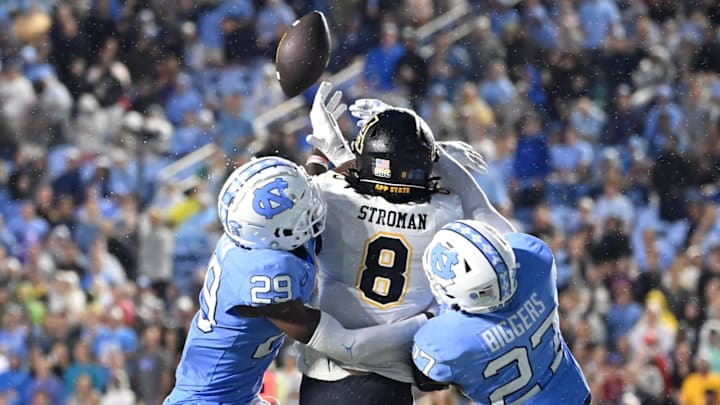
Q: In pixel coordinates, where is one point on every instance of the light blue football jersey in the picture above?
(225, 355)
(515, 355)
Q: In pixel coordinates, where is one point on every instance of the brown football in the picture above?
(303, 53)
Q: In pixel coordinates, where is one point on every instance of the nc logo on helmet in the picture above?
(271, 199)
(441, 261)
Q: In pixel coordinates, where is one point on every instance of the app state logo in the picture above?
(272, 199)
(441, 261)
(359, 142)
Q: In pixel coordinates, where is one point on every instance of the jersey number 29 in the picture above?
(265, 291)
(382, 278)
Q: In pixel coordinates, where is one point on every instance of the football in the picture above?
(303, 53)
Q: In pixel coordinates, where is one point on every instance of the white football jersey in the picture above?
(370, 265)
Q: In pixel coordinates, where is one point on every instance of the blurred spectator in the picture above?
(662, 120)
(152, 368)
(587, 119)
(476, 119)
(600, 21)
(531, 163)
(623, 122)
(699, 383)
(288, 378)
(419, 12)
(612, 203)
(44, 381)
(570, 162)
(499, 92)
(70, 181)
(381, 61)
(411, 71)
(235, 130)
(484, 47)
(272, 21)
(450, 62)
(15, 379)
(497, 89)
(266, 93)
(624, 312)
(83, 366)
(65, 296)
(118, 393)
(156, 246)
(439, 113)
(16, 95)
(108, 78)
(650, 327)
(83, 393)
(670, 177)
(182, 100)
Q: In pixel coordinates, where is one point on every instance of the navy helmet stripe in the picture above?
(262, 164)
(489, 251)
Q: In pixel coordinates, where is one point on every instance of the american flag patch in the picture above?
(381, 168)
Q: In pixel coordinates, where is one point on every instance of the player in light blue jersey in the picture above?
(499, 338)
(258, 279)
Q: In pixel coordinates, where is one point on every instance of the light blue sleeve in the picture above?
(265, 277)
(531, 247)
(430, 355)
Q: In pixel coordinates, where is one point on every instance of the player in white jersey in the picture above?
(382, 213)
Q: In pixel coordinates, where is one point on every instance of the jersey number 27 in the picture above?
(522, 359)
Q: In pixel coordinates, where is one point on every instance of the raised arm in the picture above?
(330, 146)
(475, 203)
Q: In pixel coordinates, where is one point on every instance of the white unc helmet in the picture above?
(470, 265)
(271, 203)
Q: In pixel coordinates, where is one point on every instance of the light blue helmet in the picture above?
(271, 203)
(469, 264)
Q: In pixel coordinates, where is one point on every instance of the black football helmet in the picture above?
(394, 155)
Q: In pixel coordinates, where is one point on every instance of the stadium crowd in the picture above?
(600, 120)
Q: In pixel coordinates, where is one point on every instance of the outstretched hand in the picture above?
(326, 135)
(465, 155)
(365, 108)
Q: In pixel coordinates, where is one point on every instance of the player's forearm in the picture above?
(320, 331)
(474, 201)
(317, 164)
(293, 317)
(366, 346)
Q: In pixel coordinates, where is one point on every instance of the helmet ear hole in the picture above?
(467, 266)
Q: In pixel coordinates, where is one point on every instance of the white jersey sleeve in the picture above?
(370, 265)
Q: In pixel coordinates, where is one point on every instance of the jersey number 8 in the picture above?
(383, 276)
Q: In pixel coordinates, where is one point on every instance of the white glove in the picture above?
(465, 155)
(326, 134)
(366, 108)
